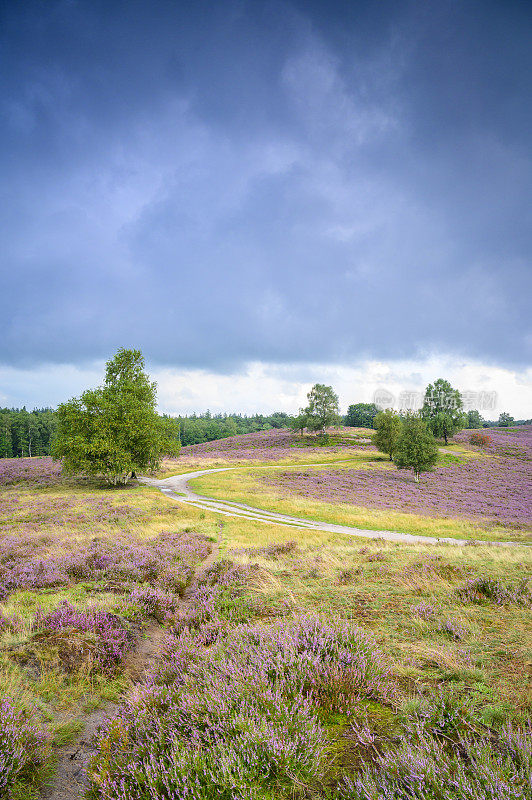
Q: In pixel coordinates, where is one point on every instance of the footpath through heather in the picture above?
(177, 488)
(69, 780)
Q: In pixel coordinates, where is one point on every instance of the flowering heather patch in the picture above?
(474, 767)
(509, 442)
(113, 639)
(22, 747)
(156, 602)
(271, 550)
(239, 719)
(424, 611)
(453, 628)
(494, 491)
(10, 622)
(168, 560)
(481, 590)
(217, 597)
(269, 445)
(32, 513)
(41, 471)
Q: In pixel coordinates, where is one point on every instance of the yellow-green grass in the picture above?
(185, 464)
(245, 486)
(327, 454)
(377, 585)
(38, 515)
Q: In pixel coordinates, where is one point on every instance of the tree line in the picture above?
(198, 428)
(362, 415)
(30, 433)
(26, 433)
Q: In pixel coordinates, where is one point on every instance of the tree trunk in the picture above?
(445, 437)
(416, 477)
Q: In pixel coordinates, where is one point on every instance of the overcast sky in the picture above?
(260, 194)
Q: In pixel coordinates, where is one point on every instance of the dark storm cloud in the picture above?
(231, 181)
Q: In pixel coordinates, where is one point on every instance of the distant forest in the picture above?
(26, 433)
(30, 433)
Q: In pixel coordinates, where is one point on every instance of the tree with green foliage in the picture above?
(114, 431)
(505, 420)
(388, 426)
(299, 422)
(279, 419)
(474, 420)
(361, 415)
(416, 448)
(443, 409)
(322, 410)
(6, 441)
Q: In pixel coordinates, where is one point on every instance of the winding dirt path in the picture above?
(69, 780)
(177, 488)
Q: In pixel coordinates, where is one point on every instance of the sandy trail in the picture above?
(177, 488)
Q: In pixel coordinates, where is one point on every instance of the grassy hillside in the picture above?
(474, 493)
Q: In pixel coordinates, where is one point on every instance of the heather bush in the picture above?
(240, 718)
(155, 602)
(10, 622)
(23, 747)
(221, 596)
(111, 636)
(168, 560)
(453, 628)
(447, 712)
(425, 611)
(483, 589)
(480, 766)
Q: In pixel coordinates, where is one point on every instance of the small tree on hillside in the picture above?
(443, 409)
(361, 415)
(505, 420)
(299, 422)
(114, 431)
(322, 410)
(416, 448)
(388, 426)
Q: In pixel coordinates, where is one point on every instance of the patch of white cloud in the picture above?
(265, 387)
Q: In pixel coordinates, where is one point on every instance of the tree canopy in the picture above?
(443, 409)
(361, 415)
(114, 431)
(474, 419)
(322, 410)
(416, 448)
(26, 433)
(388, 426)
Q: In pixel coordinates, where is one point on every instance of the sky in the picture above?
(261, 195)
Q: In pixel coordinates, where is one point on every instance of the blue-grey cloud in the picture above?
(221, 182)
